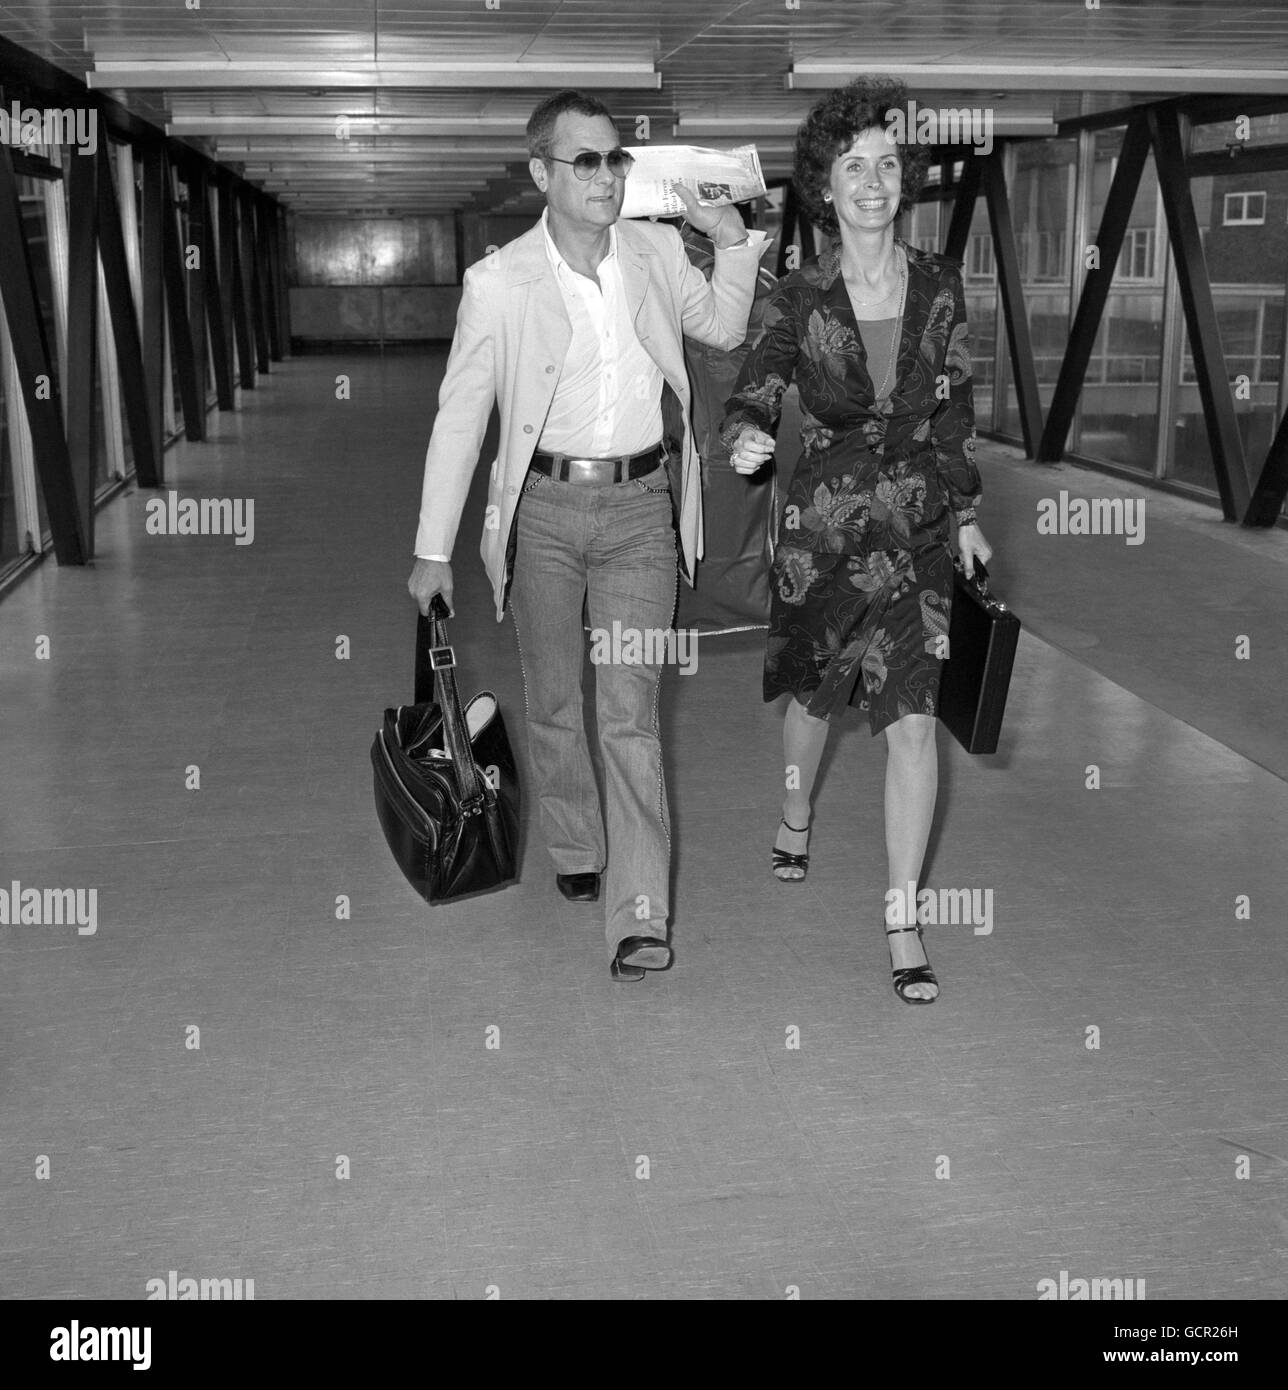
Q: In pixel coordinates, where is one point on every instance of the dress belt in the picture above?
(563, 468)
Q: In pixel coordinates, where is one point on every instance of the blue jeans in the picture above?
(612, 547)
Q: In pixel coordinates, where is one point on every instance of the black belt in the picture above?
(564, 468)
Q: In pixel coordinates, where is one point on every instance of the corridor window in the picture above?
(1136, 261)
(979, 257)
(1244, 210)
(1051, 258)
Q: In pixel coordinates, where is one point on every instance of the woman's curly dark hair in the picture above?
(833, 125)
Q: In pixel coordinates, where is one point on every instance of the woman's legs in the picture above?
(912, 781)
(804, 737)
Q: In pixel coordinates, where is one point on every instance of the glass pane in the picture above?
(1260, 130)
(1042, 212)
(127, 442)
(1246, 264)
(102, 460)
(9, 546)
(926, 226)
(378, 251)
(175, 398)
(980, 280)
(922, 226)
(35, 228)
(1117, 415)
(128, 196)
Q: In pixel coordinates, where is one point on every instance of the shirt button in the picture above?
(527, 429)
(549, 369)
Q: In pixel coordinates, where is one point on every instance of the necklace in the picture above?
(888, 378)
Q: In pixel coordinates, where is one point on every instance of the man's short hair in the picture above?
(541, 124)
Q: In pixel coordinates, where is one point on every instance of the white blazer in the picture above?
(512, 333)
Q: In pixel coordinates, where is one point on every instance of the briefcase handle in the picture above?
(442, 660)
(980, 581)
(979, 578)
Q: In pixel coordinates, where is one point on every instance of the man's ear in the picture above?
(540, 174)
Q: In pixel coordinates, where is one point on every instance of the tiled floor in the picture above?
(967, 1150)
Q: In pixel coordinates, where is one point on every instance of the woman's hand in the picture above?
(753, 448)
(972, 546)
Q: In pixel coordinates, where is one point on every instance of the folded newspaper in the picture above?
(716, 176)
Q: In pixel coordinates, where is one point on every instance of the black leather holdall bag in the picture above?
(447, 790)
(982, 637)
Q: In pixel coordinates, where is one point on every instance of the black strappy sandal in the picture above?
(912, 974)
(783, 860)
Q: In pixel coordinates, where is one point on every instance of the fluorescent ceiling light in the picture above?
(731, 126)
(452, 72)
(1016, 77)
(768, 139)
(329, 148)
(361, 181)
(274, 126)
(423, 182)
(394, 162)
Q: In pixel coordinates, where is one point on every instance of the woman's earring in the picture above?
(827, 197)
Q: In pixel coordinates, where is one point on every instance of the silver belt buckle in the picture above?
(584, 470)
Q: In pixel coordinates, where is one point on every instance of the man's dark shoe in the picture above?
(579, 888)
(636, 954)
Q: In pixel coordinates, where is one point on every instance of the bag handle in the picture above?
(979, 578)
(442, 663)
(980, 582)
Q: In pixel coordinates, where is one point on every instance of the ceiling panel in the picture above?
(725, 61)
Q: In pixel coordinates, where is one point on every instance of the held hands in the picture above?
(752, 449)
(724, 225)
(430, 577)
(972, 546)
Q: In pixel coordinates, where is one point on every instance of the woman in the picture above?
(874, 332)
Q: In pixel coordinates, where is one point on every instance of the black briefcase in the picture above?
(982, 637)
(447, 791)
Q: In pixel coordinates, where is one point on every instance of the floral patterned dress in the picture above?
(863, 574)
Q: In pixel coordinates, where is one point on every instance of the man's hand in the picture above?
(724, 225)
(752, 449)
(430, 577)
(972, 546)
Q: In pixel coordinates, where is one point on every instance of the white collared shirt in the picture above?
(608, 401)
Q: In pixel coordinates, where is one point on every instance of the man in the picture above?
(575, 329)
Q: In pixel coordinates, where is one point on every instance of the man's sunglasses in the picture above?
(587, 163)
